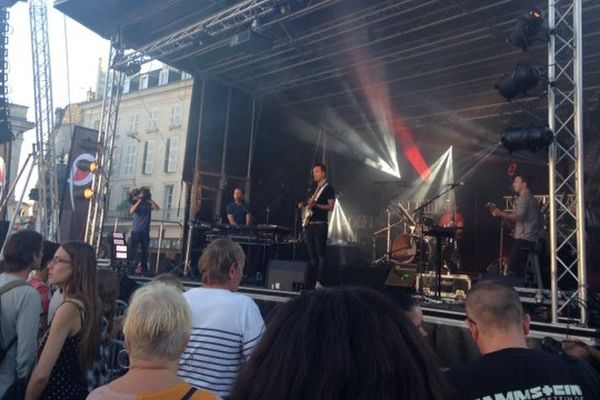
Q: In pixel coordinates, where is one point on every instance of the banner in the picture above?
(74, 207)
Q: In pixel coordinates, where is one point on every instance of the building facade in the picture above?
(20, 125)
(149, 150)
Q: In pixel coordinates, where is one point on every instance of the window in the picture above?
(143, 82)
(163, 77)
(149, 153)
(134, 122)
(185, 75)
(172, 154)
(116, 162)
(153, 120)
(176, 115)
(168, 201)
(97, 124)
(126, 86)
(129, 166)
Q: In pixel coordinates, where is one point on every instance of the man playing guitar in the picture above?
(529, 224)
(314, 222)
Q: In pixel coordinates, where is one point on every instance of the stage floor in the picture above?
(445, 313)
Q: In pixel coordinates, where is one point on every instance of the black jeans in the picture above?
(518, 257)
(141, 239)
(315, 237)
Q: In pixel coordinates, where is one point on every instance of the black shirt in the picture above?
(326, 195)
(525, 374)
(239, 212)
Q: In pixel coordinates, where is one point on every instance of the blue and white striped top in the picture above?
(226, 327)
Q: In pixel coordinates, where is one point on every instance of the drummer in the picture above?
(450, 218)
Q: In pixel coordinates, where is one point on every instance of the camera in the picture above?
(133, 195)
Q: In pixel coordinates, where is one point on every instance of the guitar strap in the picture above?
(319, 191)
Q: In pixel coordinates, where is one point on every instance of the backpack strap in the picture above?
(7, 288)
(189, 393)
(11, 285)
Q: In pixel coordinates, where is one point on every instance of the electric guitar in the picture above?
(307, 211)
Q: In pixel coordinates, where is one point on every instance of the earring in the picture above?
(123, 359)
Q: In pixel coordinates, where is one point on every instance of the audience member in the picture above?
(157, 329)
(39, 280)
(20, 308)
(170, 279)
(70, 346)
(339, 344)
(507, 368)
(107, 283)
(409, 305)
(225, 325)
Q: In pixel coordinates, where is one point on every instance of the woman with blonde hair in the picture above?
(157, 330)
(70, 345)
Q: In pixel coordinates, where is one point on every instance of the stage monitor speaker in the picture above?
(402, 276)
(286, 275)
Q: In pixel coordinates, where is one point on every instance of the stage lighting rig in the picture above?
(89, 193)
(520, 81)
(530, 28)
(533, 138)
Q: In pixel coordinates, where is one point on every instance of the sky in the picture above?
(84, 50)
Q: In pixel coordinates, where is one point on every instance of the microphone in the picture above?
(455, 184)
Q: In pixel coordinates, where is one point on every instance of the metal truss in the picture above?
(48, 210)
(566, 160)
(105, 146)
(230, 18)
(5, 105)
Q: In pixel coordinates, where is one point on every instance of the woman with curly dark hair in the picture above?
(341, 344)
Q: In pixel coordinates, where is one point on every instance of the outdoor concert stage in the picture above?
(396, 97)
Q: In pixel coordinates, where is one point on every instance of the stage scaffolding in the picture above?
(565, 160)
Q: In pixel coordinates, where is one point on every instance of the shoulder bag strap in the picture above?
(189, 393)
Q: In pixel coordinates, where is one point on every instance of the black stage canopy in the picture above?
(436, 60)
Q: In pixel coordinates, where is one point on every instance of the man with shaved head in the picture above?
(507, 369)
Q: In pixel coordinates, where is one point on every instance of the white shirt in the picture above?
(226, 327)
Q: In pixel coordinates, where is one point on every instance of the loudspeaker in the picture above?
(286, 275)
(405, 276)
(3, 231)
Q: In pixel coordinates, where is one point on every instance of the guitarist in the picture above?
(529, 224)
(320, 203)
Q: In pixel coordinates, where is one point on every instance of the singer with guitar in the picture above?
(529, 225)
(314, 222)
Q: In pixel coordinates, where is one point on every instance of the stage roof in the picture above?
(435, 61)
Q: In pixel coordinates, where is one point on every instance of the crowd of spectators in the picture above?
(58, 336)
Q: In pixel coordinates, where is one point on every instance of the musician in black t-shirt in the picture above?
(507, 369)
(238, 211)
(315, 218)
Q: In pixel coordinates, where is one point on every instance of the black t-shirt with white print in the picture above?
(525, 374)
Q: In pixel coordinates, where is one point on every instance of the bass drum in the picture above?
(406, 249)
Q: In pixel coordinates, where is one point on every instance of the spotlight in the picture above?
(530, 28)
(523, 78)
(533, 139)
(89, 193)
(94, 167)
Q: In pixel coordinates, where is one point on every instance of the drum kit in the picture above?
(418, 237)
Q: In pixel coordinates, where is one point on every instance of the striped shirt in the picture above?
(226, 327)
